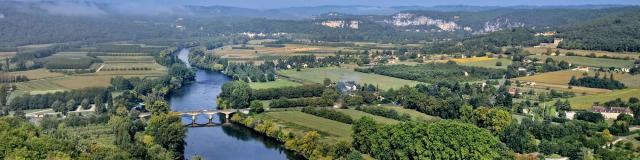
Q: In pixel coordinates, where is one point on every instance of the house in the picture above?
(348, 86)
(530, 83)
(602, 109)
(522, 69)
(513, 91)
(582, 68)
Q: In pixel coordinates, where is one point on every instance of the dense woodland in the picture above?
(616, 32)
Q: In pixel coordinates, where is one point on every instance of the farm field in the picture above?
(37, 74)
(489, 63)
(273, 84)
(585, 102)
(355, 114)
(296, 119)
(586, 61)
(4, 55)
(317, 75)
(260, 52)
(419, 116)
(563, 77)
(633, 55)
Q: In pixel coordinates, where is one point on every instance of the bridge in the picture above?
(194, 115)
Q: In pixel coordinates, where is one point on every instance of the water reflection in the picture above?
(226, 141)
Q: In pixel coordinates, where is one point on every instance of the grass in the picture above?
(317, 75)
(38, 74)
(415, 115)
(586, 52)
(490, 63)
(472, 59)
(585, 102)
(560, 80)
(307, 122)
(273, 84)
(355, 114)
(586, 61)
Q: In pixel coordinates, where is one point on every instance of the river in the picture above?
(228, 141)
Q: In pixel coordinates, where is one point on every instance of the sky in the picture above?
(269, 4)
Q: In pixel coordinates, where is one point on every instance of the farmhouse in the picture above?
(348, 86)
(603, 109)
(582, 68)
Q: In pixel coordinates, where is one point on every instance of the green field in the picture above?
(317, 75)
(586, 61)
(489, 63)
(307, 122)
(419, 116)
(355, 114)
(585, 102)
(273, 84)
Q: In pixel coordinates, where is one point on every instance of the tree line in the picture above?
(328, 114)
(597, 82)
(435, 72)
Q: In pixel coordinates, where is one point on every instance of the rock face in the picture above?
(499, 24)
(410, 19)
(341, 24)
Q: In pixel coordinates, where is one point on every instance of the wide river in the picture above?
(228, 141)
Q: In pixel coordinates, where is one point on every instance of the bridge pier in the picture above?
(193, 119)
(210, 120)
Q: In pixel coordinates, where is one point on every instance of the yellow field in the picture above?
(633, 55)
(473, 59)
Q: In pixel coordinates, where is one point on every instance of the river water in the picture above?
(227, 141)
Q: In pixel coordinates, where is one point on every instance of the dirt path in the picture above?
(100, 68)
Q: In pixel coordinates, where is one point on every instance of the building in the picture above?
(513, 91)
(603, 109)
(347, 86)
(582, 68)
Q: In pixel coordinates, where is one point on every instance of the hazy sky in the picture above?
(295, 3)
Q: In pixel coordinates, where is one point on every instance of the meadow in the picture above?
(415, 115)
(585, 102)
(488, 63)
(301, 121)
(317, 75)
(586, 61)
(274, 84)
(355, 114)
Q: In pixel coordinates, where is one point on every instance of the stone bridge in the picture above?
(194, 115)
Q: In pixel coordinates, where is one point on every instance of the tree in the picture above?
(158, 107)
(167, 131)
(85, 103)
(327, 82)
(256, 107)
(518, 138)
(237, 93)
(71, 105)
(362, 130)
(330, 95)
(492, 118)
